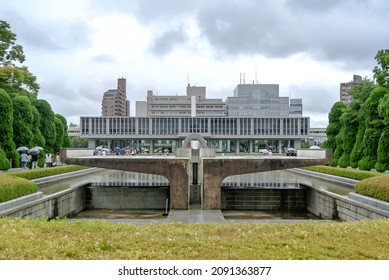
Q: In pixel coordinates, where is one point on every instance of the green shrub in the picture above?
(376, 187)
(44, 172)
(12, 187)
(382, 163)
(4, 162)
(343, 172)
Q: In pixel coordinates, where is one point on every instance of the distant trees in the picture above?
(24, 119)
(359, 133)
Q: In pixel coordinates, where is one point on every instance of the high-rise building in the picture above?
(261, 100)
(346, 87)
(115, 101)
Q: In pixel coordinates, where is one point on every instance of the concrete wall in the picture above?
(312, 153)
(69, 152)
(328, 205)
(263, 199)
(147, 198)
(65, 203)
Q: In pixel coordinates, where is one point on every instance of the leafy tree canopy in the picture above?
(381, 71)
(14, 78)
(9, 50)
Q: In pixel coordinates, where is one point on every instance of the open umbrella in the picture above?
(22, 149)
(38, 148)
(33, 151)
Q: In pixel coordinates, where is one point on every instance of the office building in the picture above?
(261, 100)
(346, 87)
(193, 104)
(114, 102)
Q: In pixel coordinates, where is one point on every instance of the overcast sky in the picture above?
(78, 49)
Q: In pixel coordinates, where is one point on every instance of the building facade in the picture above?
(114, 102)
(255, 117)
(226, 134)
(345, 88)
(261, 100)
(193, 104)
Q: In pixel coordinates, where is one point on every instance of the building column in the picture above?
(91, 143)
(151, 146)
(228, 148)
(237, 146)
(250, 146)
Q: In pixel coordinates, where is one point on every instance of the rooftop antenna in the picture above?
(187, 78)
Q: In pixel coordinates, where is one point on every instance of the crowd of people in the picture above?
(30, 161)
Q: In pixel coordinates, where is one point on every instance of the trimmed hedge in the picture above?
(45, 172)
(376, 187)
(343, 172)
(12, 187)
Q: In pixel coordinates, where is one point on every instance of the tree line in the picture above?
(25, 120)
(358, 132)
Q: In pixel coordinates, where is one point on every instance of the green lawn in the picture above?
(92, 240)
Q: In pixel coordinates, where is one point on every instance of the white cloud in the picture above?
(78, 49)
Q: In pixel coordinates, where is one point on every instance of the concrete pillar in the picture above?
(151, 146)
(250, 146)
(237, 146)
(228, 146)
(91, 143)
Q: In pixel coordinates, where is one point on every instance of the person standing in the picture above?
(34, 160)
(23, 159)
(49, 160)
(58, 160)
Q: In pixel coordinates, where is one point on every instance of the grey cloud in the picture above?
(338, 32)
(165, 43)
(51, 35)
(103, 58)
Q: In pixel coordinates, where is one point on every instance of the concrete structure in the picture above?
(261, 100)
(114, 102)
(344, 89)
(193, 104)
(197, 170)
(317, 136)
(225, 134)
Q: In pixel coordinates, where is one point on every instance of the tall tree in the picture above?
(14, 78)
(333, 129)
(47, 124)
(6, 128)
(374, 127)
(9, 50)
(381, 71)
(65, 135)
(360, 93)
(22, 124)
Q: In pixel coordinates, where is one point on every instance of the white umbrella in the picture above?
(22, 149)
(33, 151)
(38, 148)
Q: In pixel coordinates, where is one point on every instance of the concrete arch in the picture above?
(194, 136)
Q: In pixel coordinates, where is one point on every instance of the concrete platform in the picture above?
(196, 216)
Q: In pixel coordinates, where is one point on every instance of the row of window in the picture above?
(213, 126)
